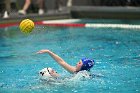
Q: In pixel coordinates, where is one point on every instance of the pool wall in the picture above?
(90, 12)
(105, 12)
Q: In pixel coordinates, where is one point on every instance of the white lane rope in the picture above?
(126, 26)
(76, 23)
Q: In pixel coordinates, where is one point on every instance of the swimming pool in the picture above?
(115, 50)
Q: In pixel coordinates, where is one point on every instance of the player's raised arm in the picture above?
(59, 60)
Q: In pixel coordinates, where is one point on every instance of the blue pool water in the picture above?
(115, 51)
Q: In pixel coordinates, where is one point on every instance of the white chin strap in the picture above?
(48, 72)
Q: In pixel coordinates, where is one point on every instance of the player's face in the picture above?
(53, 73)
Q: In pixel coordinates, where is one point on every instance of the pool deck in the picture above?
(14, 17)
(94, 12)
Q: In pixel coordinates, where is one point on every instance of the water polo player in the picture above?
(83, 64)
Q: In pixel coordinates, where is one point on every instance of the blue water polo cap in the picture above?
(87, 64)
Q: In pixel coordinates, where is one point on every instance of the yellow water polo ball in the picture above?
(26, 26)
